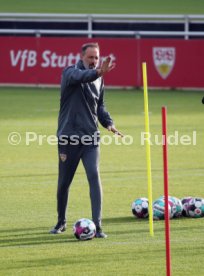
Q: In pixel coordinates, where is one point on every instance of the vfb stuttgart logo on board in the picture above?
(164, 60)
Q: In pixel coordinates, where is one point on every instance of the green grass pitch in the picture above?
(105, 6)
(28, 189)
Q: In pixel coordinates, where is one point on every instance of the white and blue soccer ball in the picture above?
(140, 207)
(84, 229)
(159, 209)
(196, 208)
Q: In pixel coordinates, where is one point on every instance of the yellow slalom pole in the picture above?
(148, 155)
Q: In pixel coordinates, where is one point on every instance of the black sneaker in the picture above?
(59, 228)
(100, 234)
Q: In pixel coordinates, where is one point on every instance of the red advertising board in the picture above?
(173, 63)
(40, 61)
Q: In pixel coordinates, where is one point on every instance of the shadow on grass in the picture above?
(28, 175)
(104, 172)
(177, 225)
(80, 260)
(32, 236)
(47, 262)
(16, 230)
(118, 220)
(79, 173)
(137, 225)
(19, 237)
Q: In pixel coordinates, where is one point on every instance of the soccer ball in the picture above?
(196, 208)
(176, 206)
(179, 207)
(140, 207)
(159, 209)
(185, 203)
(84, 229)
(172, 203)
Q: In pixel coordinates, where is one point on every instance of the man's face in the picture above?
(90, 58)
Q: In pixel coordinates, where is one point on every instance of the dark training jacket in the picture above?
(81, 102)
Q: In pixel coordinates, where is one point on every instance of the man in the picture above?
(81, 106)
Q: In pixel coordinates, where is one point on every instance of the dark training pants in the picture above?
(69, 157)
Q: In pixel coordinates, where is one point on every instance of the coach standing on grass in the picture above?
(81, 106)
